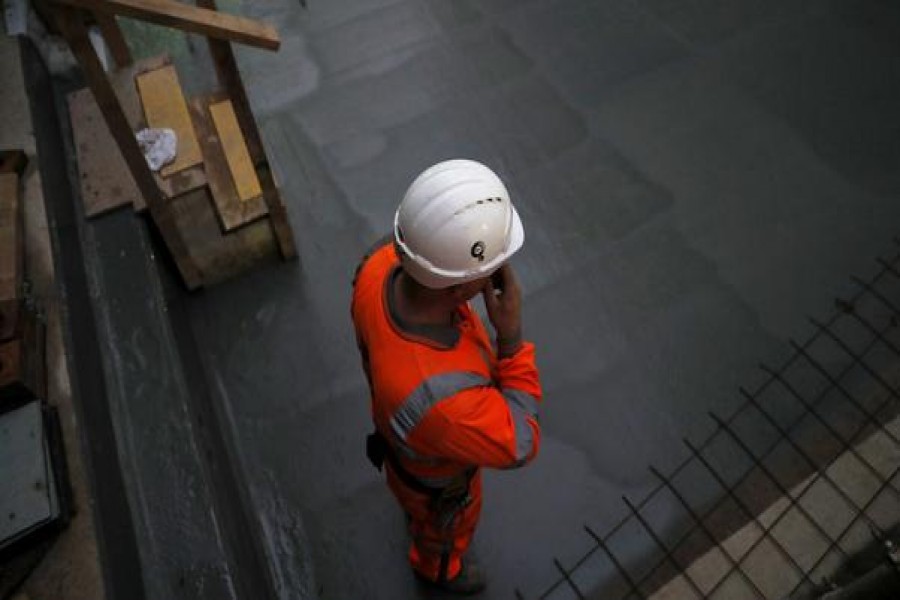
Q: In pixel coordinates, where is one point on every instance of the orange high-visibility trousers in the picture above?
(440, 535)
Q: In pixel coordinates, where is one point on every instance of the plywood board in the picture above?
(235, 148)
(106, 182)
(11, 249)
(164, 106)
(232, 212)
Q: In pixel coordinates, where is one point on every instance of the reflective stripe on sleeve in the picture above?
(430, 392)
(523, 400)
(521, 405)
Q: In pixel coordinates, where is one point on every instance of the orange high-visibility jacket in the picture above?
(444, 406)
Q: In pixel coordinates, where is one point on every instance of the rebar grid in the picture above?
(871, 424)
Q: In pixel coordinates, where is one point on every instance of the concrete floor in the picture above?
(694, 178)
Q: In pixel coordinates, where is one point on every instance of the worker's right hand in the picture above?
(504, 309)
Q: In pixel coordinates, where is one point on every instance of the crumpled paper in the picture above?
(158, 145)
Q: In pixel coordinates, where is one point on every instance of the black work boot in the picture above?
(469, 580)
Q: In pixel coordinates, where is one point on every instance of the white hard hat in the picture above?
(456, 224)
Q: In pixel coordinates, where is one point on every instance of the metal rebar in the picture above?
(743, 506)
(857, 359)
(837, 385)
(889, 267)
(761, 388)
(874, 331)
(702, 525)
(568, 579)
(615, 561)
(871, 289)
(810, 409)
(758, 463)
(853, 522)
(822, 472)
(715, 506)
(662, 546)
(865, 287)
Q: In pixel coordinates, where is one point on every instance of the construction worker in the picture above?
(445, 400)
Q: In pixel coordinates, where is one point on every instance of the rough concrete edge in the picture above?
(120, 574)
(71, 568)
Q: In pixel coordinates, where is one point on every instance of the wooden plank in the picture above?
(220, 256)
(123, 82)
(188, 18)
(11, 256)
(230, 78)
(112, 34)
(164, 106)
(34, 340)
(232, 212)
(106, 182)
(69, 23)
(242, 171)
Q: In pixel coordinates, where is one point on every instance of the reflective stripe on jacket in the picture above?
(443, 407)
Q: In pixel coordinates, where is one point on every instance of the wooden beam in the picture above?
(242, 172)
(69, 22)
(115, 41)
(230, 78)
(232, 213)
(187, 18)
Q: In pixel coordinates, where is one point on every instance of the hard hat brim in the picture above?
(516, 234)
(435, 278)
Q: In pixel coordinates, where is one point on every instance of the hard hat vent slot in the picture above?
(472, 205)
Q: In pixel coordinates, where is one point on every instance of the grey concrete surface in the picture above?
(694, 178)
